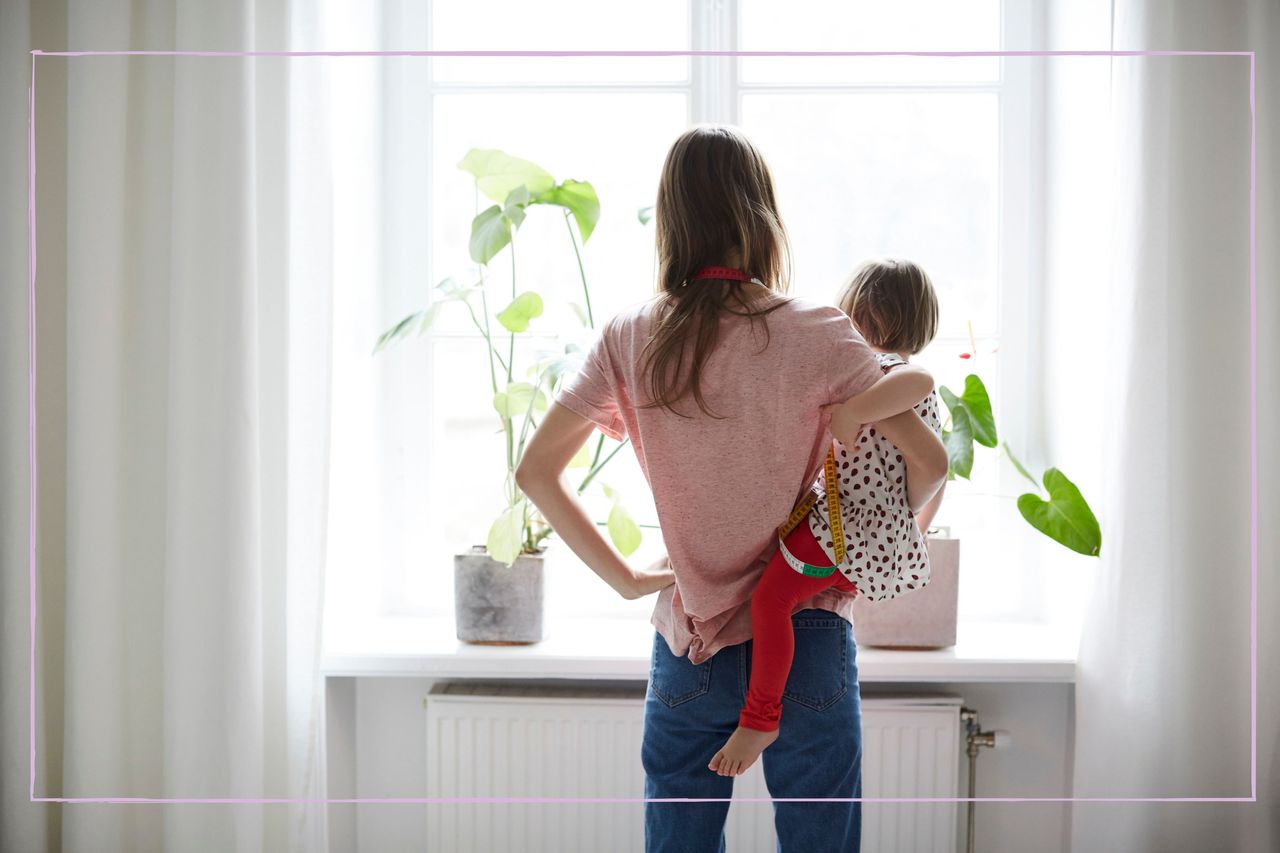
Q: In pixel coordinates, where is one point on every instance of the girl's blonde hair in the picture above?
(893, 304)
(715, 199)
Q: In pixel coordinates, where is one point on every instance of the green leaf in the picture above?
(959, 442)
(609, 492)
(516, 316)
(581, 312)
(623, 530)
(645, 214)
(552, 367)
(490, 234)
(398, 331)
(581, 200)
(978, 405)
(1066, 517)
(429, 316)
(949, 397)
(515, 204)
(515, 401)
(451, 290)
(503, 543)
(498, 173)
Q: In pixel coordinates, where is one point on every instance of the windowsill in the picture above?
(619, 649)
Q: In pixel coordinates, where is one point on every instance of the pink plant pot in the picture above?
(922, 619)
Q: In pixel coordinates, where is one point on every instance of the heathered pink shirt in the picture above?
(722, 487)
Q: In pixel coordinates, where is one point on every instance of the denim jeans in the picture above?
(691, 710)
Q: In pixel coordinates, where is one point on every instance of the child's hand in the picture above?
(658, 576)
(895, 392)
(846, 420)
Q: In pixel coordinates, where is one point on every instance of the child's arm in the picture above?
(924, 518)
(925, 456)
(899, 390)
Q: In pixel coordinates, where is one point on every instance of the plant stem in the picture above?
(586, 292)
(493, 377)
(597, 468)
(484, 305)
(528, 419)
(526, 529)
(506, 421)
(596, 458)
(511, 355)
(1016, 464)
(507, 425)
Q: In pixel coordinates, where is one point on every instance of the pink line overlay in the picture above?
(31, 399)
(33, 516)
(624, 800)
(641, 53)
(1253, 427)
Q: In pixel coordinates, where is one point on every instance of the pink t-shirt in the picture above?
(722, 487)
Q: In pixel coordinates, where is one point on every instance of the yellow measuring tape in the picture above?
(802, 511)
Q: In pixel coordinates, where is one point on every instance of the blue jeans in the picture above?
(690, 711)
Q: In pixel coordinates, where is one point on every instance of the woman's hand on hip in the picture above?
(539, 475)
(658, 576)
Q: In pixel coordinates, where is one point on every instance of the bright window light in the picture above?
(904, 156)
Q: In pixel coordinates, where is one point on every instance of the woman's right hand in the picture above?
(658, 576)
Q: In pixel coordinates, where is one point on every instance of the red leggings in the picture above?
(780, 589)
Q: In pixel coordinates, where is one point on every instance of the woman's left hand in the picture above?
(658, 576)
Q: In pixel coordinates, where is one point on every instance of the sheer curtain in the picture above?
(1163, 693)
(183, 302)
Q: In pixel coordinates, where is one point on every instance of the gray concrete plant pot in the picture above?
(495, 604)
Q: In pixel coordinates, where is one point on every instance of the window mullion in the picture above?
(714, 27)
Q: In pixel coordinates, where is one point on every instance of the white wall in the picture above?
(377, 748)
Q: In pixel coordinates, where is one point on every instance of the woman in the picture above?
(720, 382)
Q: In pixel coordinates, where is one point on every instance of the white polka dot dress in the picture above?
(885, 553)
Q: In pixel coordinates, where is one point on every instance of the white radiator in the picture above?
(486, 740)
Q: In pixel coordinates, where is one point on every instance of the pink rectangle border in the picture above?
(1253, 415)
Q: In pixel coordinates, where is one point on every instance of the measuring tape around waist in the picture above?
(801, 512)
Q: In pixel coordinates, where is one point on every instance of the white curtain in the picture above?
(1163, 694)
(183, 301)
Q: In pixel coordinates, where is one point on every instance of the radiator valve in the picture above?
(975, 738)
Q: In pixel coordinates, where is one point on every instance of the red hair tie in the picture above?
(727, 273)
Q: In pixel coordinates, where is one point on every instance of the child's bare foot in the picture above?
(740, 751)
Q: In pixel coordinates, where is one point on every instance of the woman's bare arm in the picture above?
(924, 454)
(540, 476)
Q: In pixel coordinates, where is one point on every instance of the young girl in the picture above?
(879, 482)
(719, 381)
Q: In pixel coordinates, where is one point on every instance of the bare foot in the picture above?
(740, 751)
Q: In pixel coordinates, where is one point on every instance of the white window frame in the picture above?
(714, 92)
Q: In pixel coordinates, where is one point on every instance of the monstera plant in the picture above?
(1056, 508)
(517, 188)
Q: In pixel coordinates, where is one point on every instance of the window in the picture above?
(927, 158)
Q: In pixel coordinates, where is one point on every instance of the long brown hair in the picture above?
(715, 202)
